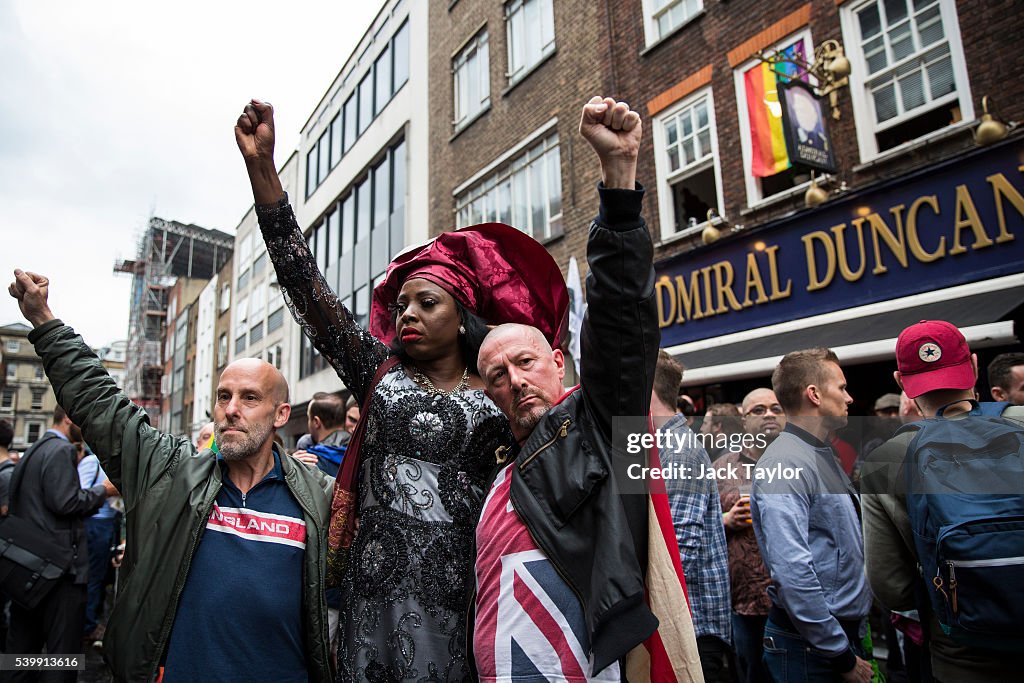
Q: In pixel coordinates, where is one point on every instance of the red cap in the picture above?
(933, 354)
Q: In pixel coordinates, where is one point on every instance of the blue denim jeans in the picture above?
(748, 640)
(791, 659)
(100, 535)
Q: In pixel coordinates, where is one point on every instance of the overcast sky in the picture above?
(114, 111)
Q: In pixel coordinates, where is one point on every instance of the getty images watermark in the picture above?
(673, 440)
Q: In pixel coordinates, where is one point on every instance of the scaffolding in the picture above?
(166, 251)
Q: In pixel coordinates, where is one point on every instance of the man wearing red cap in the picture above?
(938, 371)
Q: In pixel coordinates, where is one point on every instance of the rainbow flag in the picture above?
(768, 146)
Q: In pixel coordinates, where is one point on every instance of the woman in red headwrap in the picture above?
(424, 452)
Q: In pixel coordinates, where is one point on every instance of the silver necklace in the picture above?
(428, 385)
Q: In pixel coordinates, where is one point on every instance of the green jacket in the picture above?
(169, 490)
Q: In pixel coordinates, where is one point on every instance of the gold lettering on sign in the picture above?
(689, 297)
(724, 277)
(844, 263)
(894, 240)
(754, 282)
(663, 286)
(1001, 187)
(967, 217)
(914, 240)
(773, 270)
(709, 309)
(813, 281)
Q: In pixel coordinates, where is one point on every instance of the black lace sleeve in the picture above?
(352, 351)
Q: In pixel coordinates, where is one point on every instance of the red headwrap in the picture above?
(497, 272)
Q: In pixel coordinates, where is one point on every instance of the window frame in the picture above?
(521, 158)
(666, 178)
(860, 97)
(755, 196)
(652, 32)
(516, 73)
(478, 44)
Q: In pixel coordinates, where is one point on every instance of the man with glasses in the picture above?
(763, 419)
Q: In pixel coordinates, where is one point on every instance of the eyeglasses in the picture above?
(760, 410)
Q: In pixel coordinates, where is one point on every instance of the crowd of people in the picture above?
(463, 515)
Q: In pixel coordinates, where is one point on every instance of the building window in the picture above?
(256, 333)
(525, 192)
(311, 168)
(12, 346)
(40, 373)
(909, 76)
(222, 350)
(243, 279)
(310, 360)
(275, 320)
(365, 102)
(687, 164)
(7, 399)
(259, 264)
(225, 298)
(767, 168)
(400, 58)
(12, 371)
(471, 68)
(274, 356)
(350, 114)
(531, 35)
(37, 398)
(661, 17)
(335, 133)
(367, 225)
(32, 432)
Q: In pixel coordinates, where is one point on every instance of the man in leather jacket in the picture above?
(561, 553)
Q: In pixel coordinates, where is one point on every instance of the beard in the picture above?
(249, 446)
(529, 420)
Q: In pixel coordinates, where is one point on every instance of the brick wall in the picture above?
(600, 49)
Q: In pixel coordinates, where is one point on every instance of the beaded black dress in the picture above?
(426, 463)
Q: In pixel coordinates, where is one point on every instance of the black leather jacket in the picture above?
(563, 486)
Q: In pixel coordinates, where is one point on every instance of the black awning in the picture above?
(967, 311)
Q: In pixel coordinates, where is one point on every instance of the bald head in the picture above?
(262, 372)
(523, 375)
(762, 414)
(252, 402)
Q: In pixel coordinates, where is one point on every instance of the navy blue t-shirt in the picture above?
(240, 613)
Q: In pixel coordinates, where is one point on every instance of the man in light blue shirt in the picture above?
(806, 519)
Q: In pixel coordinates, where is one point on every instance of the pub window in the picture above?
(908, 78)
(687, 164)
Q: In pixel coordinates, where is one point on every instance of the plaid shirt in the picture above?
(697, 516)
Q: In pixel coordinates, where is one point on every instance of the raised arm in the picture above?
(351, 350)
(111, 423)
(620, 335)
